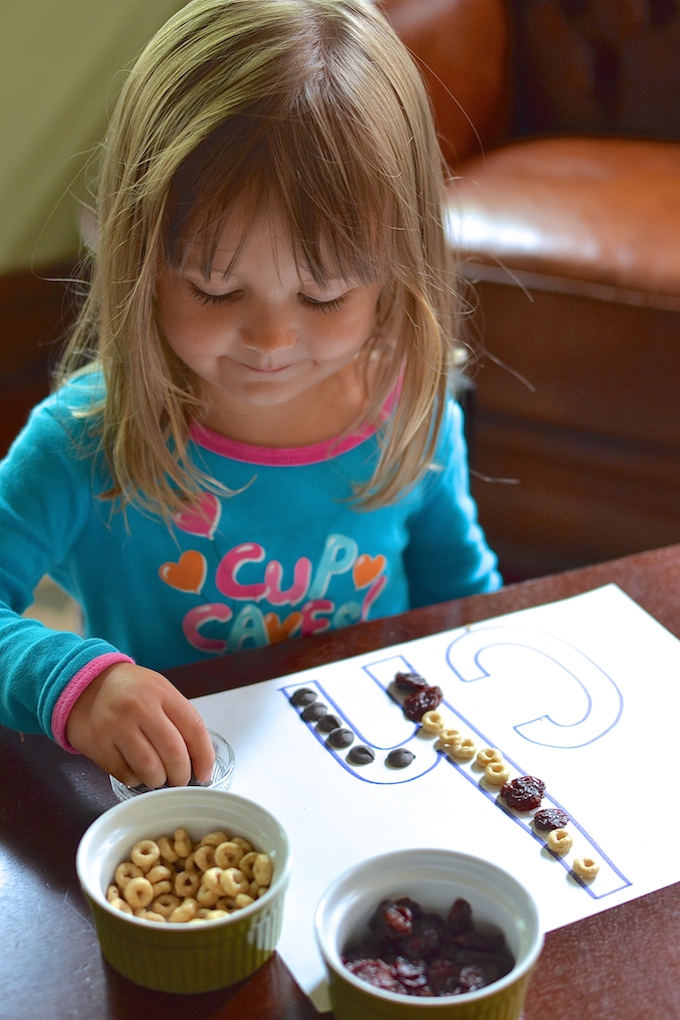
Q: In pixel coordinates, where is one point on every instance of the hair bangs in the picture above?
(325, 162)
(333, 233)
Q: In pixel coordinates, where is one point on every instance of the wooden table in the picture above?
(623, 964)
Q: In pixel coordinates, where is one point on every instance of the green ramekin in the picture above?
(434, 878)
(178, 957)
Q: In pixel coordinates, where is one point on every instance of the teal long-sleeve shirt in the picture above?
(288, 554)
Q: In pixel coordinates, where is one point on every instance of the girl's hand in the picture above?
(135, 724)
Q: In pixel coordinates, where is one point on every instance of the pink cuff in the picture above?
(74, 689)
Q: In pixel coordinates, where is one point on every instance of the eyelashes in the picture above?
(224, 299)
(323, 306)
(213, 299)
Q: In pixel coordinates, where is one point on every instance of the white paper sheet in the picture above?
(584, 693)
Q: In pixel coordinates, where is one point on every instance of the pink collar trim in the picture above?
(286, 456)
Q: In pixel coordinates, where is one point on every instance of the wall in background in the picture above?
(61, 67)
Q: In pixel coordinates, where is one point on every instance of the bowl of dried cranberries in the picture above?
(419, 934)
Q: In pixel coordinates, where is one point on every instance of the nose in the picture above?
(268, 333)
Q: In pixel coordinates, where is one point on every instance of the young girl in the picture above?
(252, 435)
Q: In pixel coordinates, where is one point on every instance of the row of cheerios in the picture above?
(497, 773)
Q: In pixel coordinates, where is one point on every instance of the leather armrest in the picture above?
(587, 213)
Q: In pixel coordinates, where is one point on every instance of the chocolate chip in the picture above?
(340, 737)
(400, 758)
(303, 696)
(314, 711)
(328, 722)
(361, 755)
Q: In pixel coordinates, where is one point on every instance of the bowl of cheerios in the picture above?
(186, 887)
(428, 934)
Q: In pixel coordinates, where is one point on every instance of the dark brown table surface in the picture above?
(622, 964)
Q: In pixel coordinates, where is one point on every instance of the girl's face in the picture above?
(276, 353)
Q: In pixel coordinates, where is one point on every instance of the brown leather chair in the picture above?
(565, 209)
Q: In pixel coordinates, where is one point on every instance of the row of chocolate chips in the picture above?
(314, 711)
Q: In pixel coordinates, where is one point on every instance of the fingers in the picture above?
(147, 760)
(167, 751)
(172, 754)
(159, 751)
(195, 738)
(116, 765)
(128, 756)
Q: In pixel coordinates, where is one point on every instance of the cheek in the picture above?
(188, 333)
(174, 330)
(181, 319)
(351, 331)
(340, 341)
(360, 327)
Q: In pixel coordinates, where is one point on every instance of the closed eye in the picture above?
(323, 306)
(213, 299)
(222, 299)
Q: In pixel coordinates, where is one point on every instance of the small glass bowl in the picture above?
(222, 774)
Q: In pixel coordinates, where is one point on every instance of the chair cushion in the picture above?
(594, 216)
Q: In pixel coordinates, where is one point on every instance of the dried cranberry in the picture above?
(376, 973)
(459, 918)
(417, 947)
(551, 818)
(411, 973)
(425, 939)
(421, 701)
(524, 793)
(415, 908)
(484, 941)
(409, 682)
(392, 920)
(398, 920)
(442, 976)
(471, 978)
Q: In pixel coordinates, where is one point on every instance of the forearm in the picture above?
(37, 667)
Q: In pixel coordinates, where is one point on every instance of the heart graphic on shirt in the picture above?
(278, 631)
(367, 568)
(188, 574)
(201, 519)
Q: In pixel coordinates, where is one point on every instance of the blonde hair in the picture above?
(316, 105)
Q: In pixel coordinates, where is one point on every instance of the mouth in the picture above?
(262, 370)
